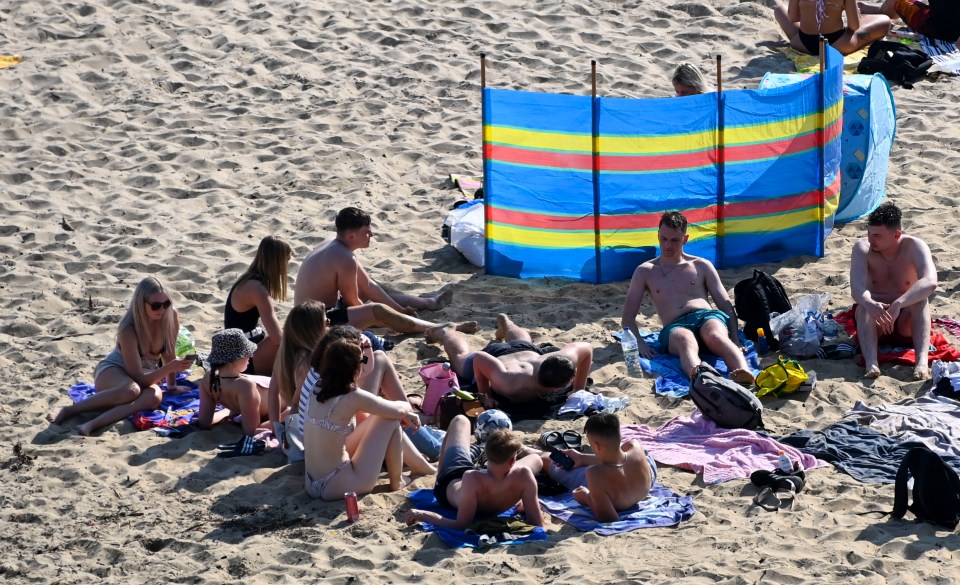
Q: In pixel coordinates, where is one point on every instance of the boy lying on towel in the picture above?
(614, 478)
(486, 492)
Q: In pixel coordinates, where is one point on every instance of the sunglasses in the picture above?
(364, 360)
(159, 305)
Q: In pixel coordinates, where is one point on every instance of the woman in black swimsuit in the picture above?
(249, 305)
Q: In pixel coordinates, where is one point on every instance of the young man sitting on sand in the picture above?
(477, 493)
(513, 369)
(332, 274)
(678, 284)
(891, 279)
(614, 478)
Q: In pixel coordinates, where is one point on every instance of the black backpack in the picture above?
(723, 401)
(936, 489)
(755, 298)
(898, 63)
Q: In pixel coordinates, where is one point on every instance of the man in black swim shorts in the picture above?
(512, 367)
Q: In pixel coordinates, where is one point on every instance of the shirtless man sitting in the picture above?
(891, 279)
(486, 492)
(803, 21)
(612, 479)
(513, 368)
(332, 275)
(678, 284)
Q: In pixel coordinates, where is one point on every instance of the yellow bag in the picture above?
(783, 377)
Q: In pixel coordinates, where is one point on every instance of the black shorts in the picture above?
(338, 315)
(455, 462)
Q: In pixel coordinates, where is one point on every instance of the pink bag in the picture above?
(440, 380)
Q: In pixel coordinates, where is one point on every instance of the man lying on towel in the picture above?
(513, 369)
(612, 479)
(678, 284)
(891, 279)
(477, 493)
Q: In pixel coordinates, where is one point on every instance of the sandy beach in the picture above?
(167, 138)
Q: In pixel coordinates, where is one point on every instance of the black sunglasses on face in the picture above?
(159, 305)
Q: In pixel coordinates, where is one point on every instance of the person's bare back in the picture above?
(625, 484)
(318, 277)
(489, 495)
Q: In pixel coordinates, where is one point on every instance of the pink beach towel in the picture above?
(697, 444)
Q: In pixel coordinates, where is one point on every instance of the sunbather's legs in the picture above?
(454, 344)
(919, 320)
(507, 330)
(114, 388)
(429, 302)
(378, 315)
(867, 336)
(683, 343)
(716, 338)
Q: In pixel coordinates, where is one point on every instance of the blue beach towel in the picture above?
(661, 508)
(182, 407)
(673, 382)
(424, 499)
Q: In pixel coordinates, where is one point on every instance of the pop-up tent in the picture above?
(574, 186)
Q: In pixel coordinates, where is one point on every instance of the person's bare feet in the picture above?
(872, 373)
(441, 300)
(62, 415)
(742, 377)
(503, 321)
(921, 373)
(405, 480)
(468, 327)
(85, 429)
(436, 334)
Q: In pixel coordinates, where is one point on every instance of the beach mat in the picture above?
(662, 507)
(423, 499)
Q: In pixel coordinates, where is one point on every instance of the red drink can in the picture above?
(353, 507)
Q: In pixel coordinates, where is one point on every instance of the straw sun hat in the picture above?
(230, 345)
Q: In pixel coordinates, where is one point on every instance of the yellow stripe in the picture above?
(541, 238)
(673, 143)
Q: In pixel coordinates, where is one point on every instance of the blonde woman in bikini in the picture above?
(804, 21)
(128, 379)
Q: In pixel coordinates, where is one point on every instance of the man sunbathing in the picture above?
(937, 19)
(614, 478)
(481, 492)
(891, 279)
(513, 368)
(678, 284)
(332, 275)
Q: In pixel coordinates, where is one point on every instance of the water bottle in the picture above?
(831, 331)
(763, 346)
(811, 332)
(614, 404)
(631, 355)
(784, 463)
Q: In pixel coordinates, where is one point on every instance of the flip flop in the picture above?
(572, 440)
(552, 440)
(772, 501)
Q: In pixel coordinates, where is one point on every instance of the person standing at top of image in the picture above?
(250, 302)
(127, 380)
(891, 279)
(333, 275)
(679, 285)
(804, 21)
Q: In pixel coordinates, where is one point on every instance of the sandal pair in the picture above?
(777, 488)
(555, 440)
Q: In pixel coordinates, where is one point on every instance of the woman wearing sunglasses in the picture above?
(127, 380)
(249, 305)
(342, 454)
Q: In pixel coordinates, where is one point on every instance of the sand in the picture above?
(166, 138)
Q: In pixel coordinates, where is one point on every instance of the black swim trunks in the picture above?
(496, 349)
(812, 42)
(455, 462)
(338, 315)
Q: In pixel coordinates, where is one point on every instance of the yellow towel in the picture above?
(811, 64)
(9, 60)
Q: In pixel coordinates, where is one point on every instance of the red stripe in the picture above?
(659, 162)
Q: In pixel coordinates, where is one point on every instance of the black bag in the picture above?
(898, 63)
(755, 298)
(936, 489)
(723, 401)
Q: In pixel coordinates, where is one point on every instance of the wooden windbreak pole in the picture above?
(821, 131)
(721, 161)
(595, 145)
(483, 161)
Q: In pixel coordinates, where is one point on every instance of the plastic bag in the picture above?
(467, 232)
(790, 327)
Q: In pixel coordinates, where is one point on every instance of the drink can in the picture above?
(353, 507)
